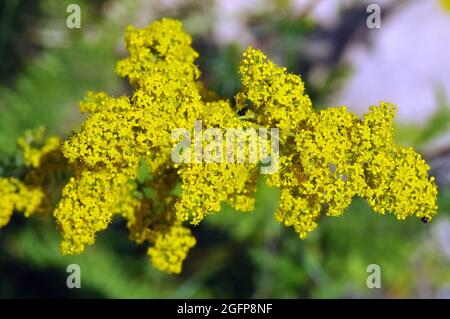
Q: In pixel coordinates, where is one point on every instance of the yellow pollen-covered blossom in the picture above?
(205, 186)
(171, 248)
(33, 154)
(331, 156)
(277, 97)
(121, 132)
(15, 196)
(162, 44)
(87, 205)
(121, 160)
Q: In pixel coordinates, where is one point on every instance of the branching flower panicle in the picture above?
(121, 164)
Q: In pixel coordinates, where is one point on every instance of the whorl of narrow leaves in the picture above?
(121, 158)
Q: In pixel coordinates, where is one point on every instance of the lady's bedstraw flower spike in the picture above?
(121, 158)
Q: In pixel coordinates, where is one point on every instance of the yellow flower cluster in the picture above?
(331, 156)
(33, 194)
(32, 153)
(121, 157)
(171, 248)
(119, 132)
(15, 196)
(276, 97)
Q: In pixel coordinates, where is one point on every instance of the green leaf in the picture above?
(143, 172)
(133, 183)
(149, 192)
(138, 195)
(177, 190)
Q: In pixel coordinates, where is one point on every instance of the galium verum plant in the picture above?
(120, 159)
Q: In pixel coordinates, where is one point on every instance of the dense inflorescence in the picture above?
(121, 160)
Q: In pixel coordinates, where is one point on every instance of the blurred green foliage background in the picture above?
(45, 69)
